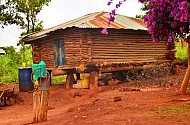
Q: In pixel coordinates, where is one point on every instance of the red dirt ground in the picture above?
(152, 105)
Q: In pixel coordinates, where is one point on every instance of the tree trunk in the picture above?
(28, 23)
(33, 22)
(187, 75)
(40, 106)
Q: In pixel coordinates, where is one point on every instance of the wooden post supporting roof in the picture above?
(69, 81)
(93, 80)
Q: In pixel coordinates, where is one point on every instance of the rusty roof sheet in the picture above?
(94, 20)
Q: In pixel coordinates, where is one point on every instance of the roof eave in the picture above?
(28, 40)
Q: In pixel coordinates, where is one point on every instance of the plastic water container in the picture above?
(25, 82)
(85, 81)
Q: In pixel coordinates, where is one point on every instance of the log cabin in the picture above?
(78, 46)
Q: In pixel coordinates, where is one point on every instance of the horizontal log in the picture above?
(119, 51)
(128, 46)
(137, 56)
(129, 50)
(112, 69)
(101, 44)
(122, 60)
(57, 72)
(126, 43)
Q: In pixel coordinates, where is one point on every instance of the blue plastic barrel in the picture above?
(25, 82)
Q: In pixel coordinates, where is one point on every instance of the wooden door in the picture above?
(59, 50)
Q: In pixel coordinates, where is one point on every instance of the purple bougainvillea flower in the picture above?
(119, 4)
(155, 40)
(109, 22)
(174, 24)
(181, 28)
(104, 31)
(164, 18)
(109, 3)
(112, 18)
(184, 18)
(153, 23)
(142, 1)
(146, 18)
(170, 39)
(113, 12)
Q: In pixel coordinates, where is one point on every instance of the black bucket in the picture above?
(25, 82)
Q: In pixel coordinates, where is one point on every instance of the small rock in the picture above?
(117, 98)
(70, 110)
(73, 94)
(135, 90)
(51, 107)
(84, 116)
(113, 82)
(100, 83)
(127, 89)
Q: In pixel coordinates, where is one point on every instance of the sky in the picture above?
(60, 11)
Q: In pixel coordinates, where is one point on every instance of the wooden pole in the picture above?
(93, 80)
(78, 76)
(49, 83)
(40, 105)
(187, 75)
(69, 81)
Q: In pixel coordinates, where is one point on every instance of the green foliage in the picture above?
(21, 12)
(139, 16)
(181, 52)
(8, 14)
(145, 6)
(30, 9)
(10, 63)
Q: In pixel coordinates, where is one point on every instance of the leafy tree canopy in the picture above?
(21, 12)
(169, 18)
(8, 14)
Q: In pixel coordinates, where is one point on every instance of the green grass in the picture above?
(181, 52)
(58, 79)
(182, 109)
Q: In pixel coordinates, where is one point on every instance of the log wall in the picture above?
(42, 50)
(121, 46)
(89, 46)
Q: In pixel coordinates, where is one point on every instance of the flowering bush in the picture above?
(164, 18)
(168, 18)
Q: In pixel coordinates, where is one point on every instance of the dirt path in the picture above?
(150, 106)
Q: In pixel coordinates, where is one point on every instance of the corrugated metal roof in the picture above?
(2, 51)
(94, 20)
